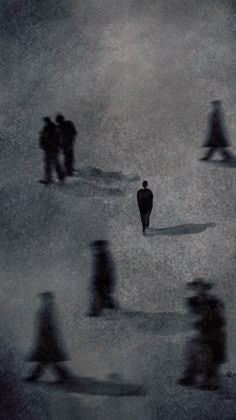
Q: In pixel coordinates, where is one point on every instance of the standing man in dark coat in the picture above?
(49, 143)
(68, 134)
(145, 203)
(103, 281)
(217, 139)
(49, 349)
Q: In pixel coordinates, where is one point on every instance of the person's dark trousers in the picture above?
(145, 218)
(52, 163)
(61, 371)
(69, 162)
(223, 150)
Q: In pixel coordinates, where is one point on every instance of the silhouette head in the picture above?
(145, 184)
(99, 244)
(47, 120)
(46, 297)
(60, 118)
(199, 284)
(216, 104)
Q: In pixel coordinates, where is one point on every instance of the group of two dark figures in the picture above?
(49, 349)
(56, 138)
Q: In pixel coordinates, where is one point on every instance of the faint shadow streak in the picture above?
(86, 189)
(92, 386)
(230, 164)
(186, 229)
(93, 173)
(162, 323)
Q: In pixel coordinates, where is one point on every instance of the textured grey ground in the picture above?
(136, 77)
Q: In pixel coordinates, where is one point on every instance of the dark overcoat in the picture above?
(48, 346)
(216, 136)
(145, 200)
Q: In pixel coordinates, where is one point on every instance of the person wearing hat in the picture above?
(49, 143)
(216, 139)
(67, 134)
(49, 350)
(103, 280)
(145, 203)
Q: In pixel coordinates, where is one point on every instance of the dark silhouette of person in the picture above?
(68, 134)
(145, 203)
(103, 280)
(49, 143)
(216, 139)
(49, 350)
(207, 349)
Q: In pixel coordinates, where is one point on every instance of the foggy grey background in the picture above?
(136, 77)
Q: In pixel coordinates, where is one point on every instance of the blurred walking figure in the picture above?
(68, 134)
(103, 281)
(217, 139)
(145, 203)
(49, 143)
(49, 350)
(207, 349)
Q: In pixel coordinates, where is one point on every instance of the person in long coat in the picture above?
(217, 139)
(49, 143)
(49, 350)
(145, 204)
(207, 349)
(103, 280)
(68, 134)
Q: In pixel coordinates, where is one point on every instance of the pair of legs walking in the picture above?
(60, 370)
(222, 150)
(52, 163)
(145, 219)
(69, 162)
(102, 301)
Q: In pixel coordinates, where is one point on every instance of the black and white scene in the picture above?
(118, 204)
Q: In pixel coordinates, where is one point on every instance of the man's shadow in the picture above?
(113, 386)
(160, 323)
(229, 164)
(185, 229)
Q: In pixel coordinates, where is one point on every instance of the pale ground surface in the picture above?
(136, 77)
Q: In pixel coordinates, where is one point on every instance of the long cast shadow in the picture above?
(91, 386)
(161, 323)
(229, 164)
(96, 174)
(186, 229)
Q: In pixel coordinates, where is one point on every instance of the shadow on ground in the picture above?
(96, 174)
(85, 189)
(94, 387)
(186, 229)
(162, 323)
(230, 164)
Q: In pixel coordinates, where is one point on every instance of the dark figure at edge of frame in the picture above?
(68, 134)
(207, 349)
(49, 350)
(145, 204)
(216, 138)
(50, 144)
(103, 281)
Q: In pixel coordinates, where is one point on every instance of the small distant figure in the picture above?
(103, 281)
(49, 143)
(49, 351)
(217, 139)
(145, 204)
(68, 134)
(207, 349)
